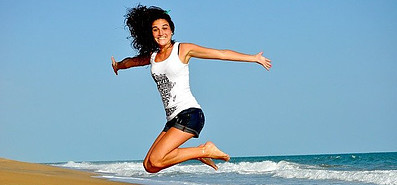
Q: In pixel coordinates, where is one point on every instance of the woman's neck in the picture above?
(165, 47)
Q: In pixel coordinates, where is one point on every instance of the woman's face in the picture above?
(161, 32)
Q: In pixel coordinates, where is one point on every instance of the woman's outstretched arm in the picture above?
(129, 62)
(192, 50)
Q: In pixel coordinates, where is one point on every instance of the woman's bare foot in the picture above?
(208, 161)
(213, 152)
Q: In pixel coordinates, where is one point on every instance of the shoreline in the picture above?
(23, 173)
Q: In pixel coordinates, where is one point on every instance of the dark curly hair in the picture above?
(139, 21)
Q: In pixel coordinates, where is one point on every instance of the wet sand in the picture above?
(23, 173)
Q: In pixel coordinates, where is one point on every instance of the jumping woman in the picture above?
(152, 30)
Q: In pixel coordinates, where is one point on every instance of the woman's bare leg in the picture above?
(206, 160)
(165, 152)
(148, 167)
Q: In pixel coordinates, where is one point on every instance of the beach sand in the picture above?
(22, 173)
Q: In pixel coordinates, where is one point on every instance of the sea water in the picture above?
(343, 169)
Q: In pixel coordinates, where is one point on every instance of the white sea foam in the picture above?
(377, 176)
(281, 169)
(124, 169)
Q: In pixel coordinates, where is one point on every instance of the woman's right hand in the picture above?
(114, 65)
(265, 62)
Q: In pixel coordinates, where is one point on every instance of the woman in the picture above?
(152, 30)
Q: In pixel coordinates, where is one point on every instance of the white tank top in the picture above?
(172, 79)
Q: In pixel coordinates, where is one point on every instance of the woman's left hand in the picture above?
(114, 65)
(265, 62)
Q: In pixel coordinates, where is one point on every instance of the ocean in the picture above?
(341, 169)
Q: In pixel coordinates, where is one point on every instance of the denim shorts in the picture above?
(190, 120)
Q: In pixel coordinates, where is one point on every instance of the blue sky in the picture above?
(332, 88)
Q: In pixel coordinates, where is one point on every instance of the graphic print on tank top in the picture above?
(165, 86)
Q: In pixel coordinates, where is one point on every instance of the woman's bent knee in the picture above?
(156, 161)
(150, 168)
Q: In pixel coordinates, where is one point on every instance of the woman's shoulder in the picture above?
(186, 45)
